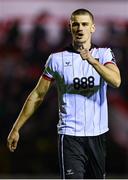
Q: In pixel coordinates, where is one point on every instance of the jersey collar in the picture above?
(71, 48)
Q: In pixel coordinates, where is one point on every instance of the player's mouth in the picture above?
(79, 35)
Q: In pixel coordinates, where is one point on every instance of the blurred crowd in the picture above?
(24, 49)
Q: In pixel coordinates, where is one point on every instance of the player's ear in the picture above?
(93, 28)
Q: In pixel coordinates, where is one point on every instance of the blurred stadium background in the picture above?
(29, 31)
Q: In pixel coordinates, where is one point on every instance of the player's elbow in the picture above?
(117, 82)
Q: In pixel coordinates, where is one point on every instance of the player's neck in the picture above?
(78, 46)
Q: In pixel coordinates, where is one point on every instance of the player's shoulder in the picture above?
(99, 48)
(56, 57)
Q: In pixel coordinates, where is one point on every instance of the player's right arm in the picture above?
(31, 104)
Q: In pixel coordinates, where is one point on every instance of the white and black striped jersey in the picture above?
(81, 91)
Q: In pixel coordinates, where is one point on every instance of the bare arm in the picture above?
(31, 104)
(109, 72)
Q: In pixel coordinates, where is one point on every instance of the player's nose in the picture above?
(80, 27)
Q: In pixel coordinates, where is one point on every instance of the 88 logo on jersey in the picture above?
(84, 82)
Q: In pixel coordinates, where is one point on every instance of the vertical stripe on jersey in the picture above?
(74, 94)
(94, 96)
(64, 86)
(84, 103)
(101, 81)
(85, 115)
(85, 98)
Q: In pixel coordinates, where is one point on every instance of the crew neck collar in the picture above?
(70, 48)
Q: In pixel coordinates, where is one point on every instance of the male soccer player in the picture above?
(82, 72)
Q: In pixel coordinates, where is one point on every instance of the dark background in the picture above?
(25, 44)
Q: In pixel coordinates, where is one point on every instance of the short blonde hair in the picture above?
(82, 12)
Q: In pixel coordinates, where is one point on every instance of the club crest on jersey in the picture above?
(67, 63)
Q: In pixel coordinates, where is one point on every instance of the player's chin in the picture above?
(80, 40)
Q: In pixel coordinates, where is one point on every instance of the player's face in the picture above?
(81, 27)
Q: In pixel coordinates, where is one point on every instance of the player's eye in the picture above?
(75, 24)
(84, 24)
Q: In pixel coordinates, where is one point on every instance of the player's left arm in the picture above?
(109, 72)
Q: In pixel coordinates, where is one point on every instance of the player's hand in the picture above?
(86, 55)
(12, 140)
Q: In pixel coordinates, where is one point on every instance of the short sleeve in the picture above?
(109, 57)
(49, 69)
